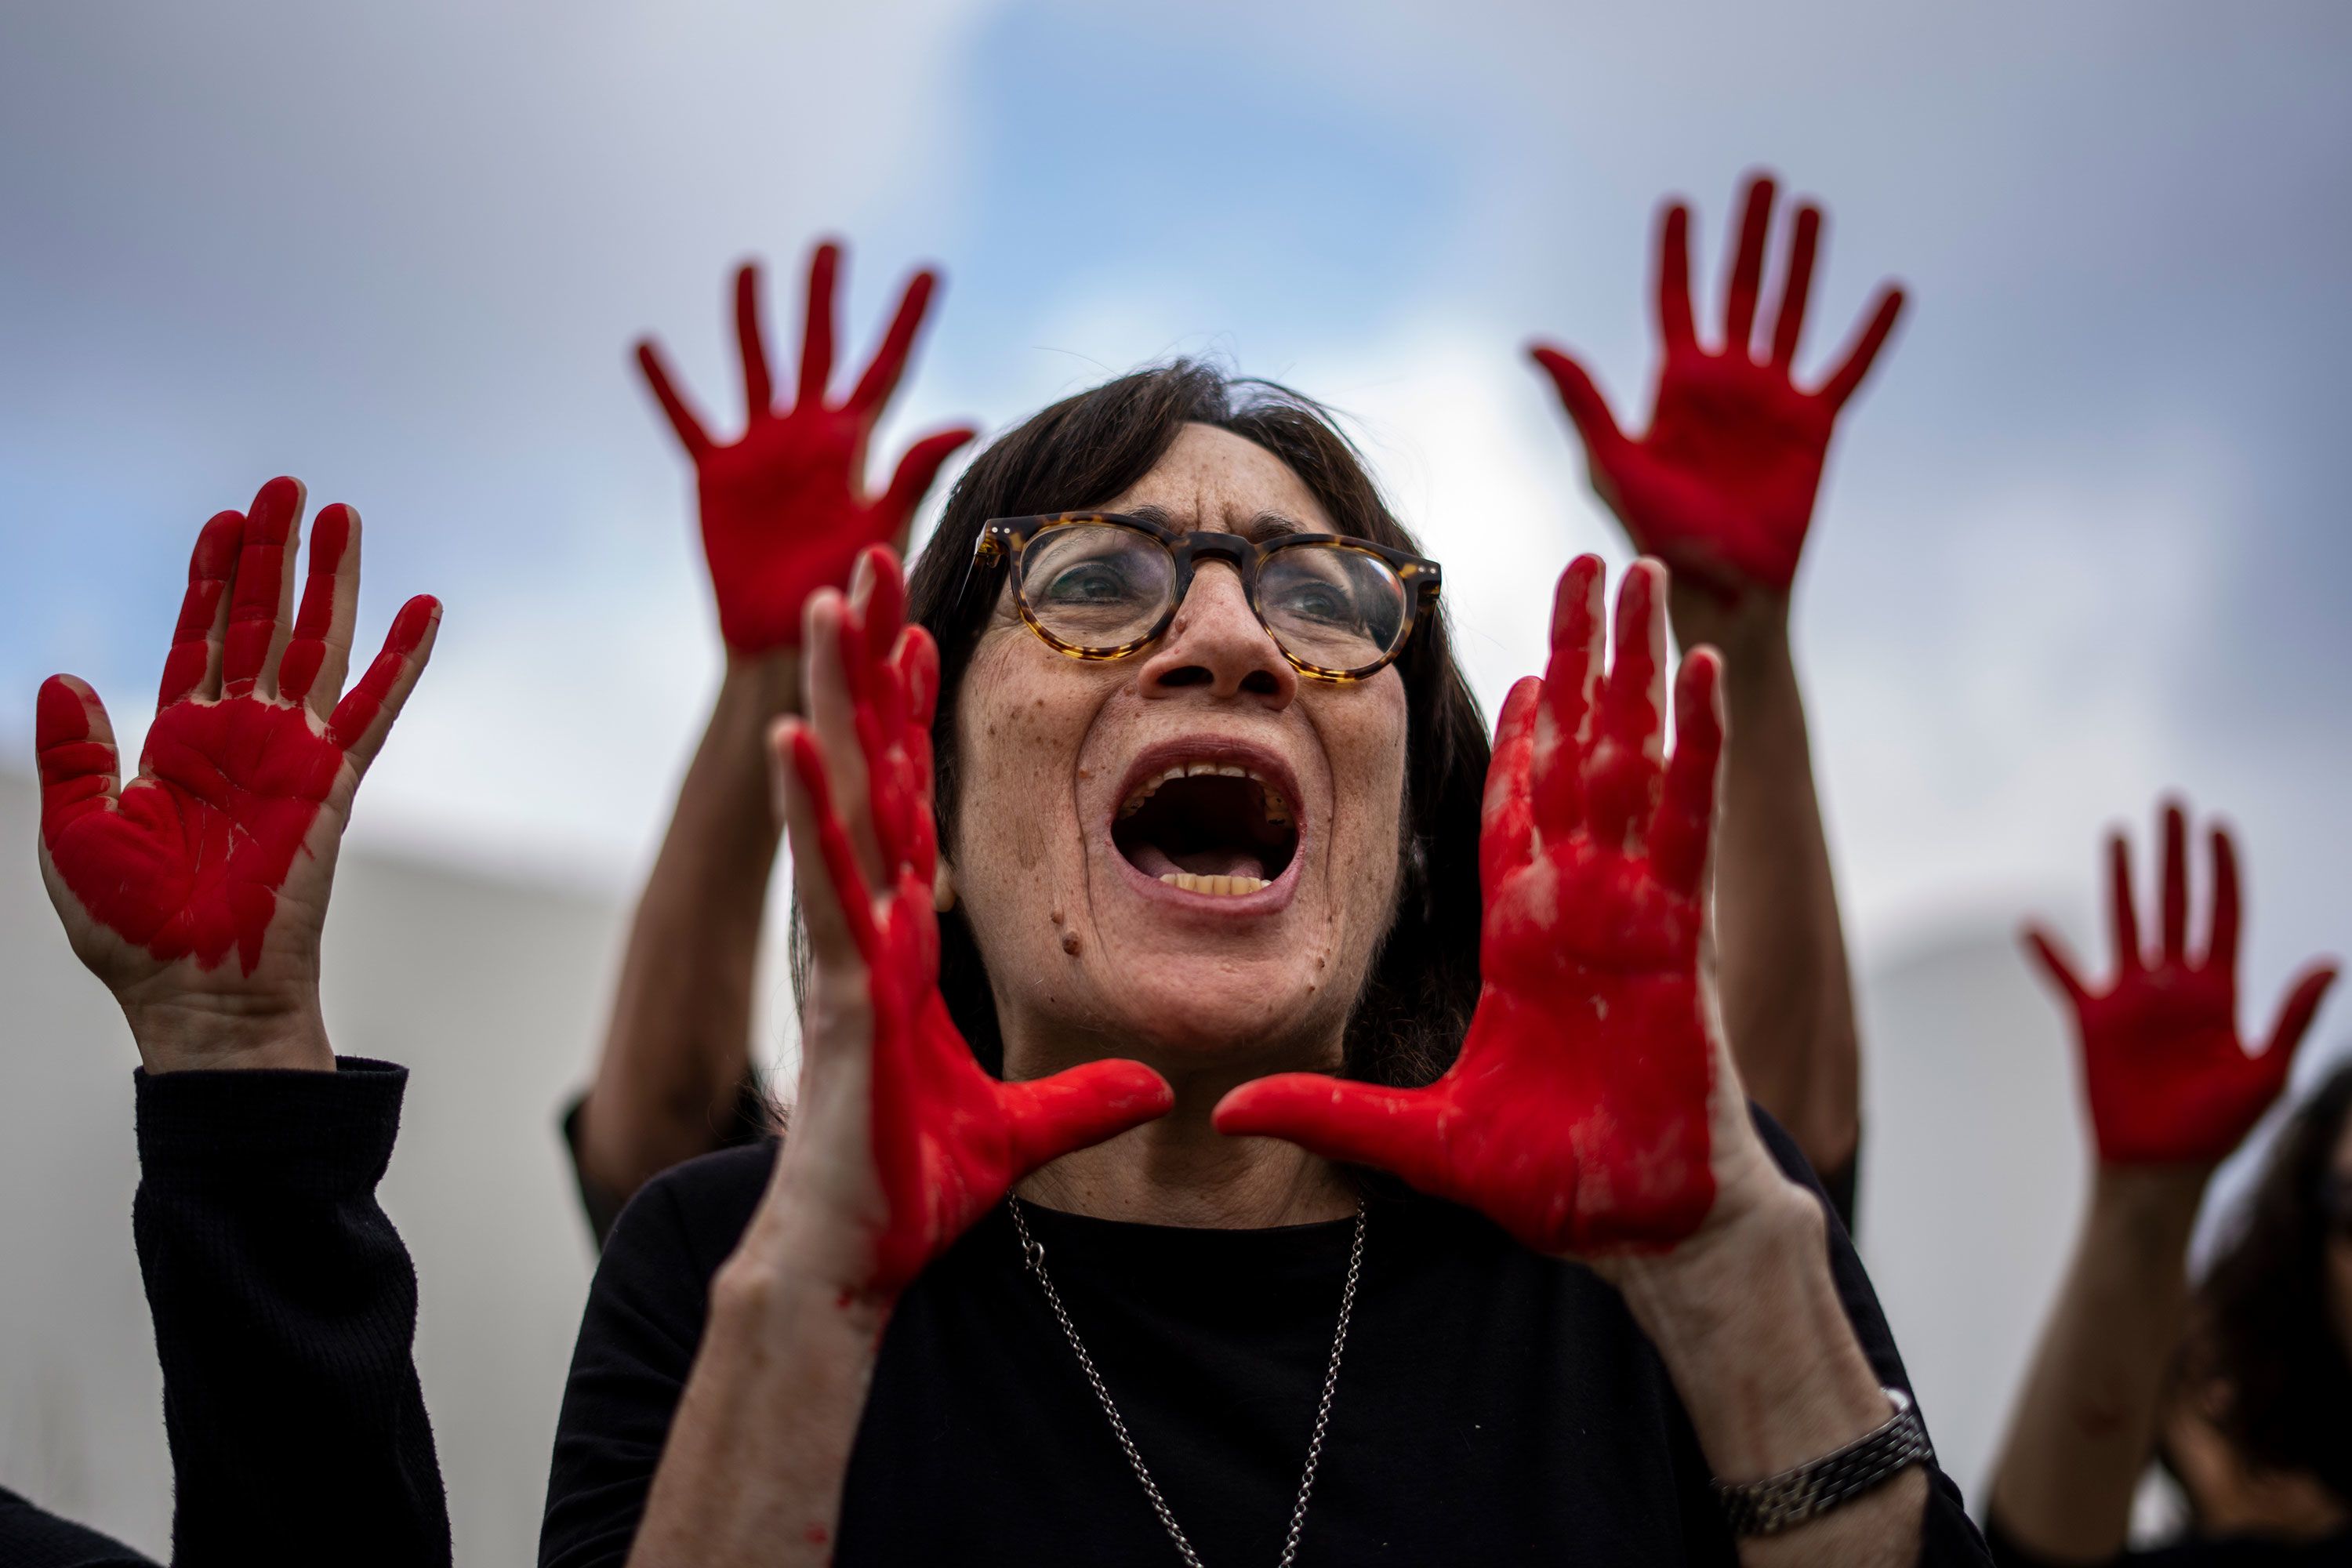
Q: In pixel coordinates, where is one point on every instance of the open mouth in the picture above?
(1215, 827)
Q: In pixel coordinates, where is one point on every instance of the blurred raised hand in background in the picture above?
(2171, 1090)
(1721, 487)
(785, 509)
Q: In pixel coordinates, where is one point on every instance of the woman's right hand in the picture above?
(898, 1140)
(2169, 1081)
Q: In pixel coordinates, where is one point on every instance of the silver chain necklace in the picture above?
(1032, 1255)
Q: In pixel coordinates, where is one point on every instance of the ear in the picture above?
(943, 894)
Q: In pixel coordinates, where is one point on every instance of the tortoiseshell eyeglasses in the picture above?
(1102, 584)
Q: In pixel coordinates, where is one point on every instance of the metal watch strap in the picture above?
(1788, 1499)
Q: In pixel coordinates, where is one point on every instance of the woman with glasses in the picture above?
(1241, 1116)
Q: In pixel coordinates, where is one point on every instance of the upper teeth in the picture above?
(1277, 809)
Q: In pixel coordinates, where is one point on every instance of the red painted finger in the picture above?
(1796, 288)
(1506, 814)
(259, 602)
(682, 418)
(1620, 780)
(192, 668)
(1678, 833)
(889, 362)
(913, 479)
(321, 652)
(851, 893)
(1393, 1130)
(835, 677)
(1588, 410)
(2221, 941)
(1048, 1117)
(73, 748)
(1570, 676)
(759, 386)
(1748, 268)
(2128, 954)
(1849, 374)
(885, 607)
(2174, 902)
(366, 715)
(2295, 1014)
(1677, 327)
(918, 658)
(816, 335)
(803, 812)
(2040, 941)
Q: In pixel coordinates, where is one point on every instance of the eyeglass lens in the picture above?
(1097, 585)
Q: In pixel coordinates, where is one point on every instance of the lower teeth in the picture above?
(1186, 881)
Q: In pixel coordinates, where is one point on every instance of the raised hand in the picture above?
(224, 842)
(784, 507)
(1721, 487)
(937, 1141)
(2168, 1080)
(1592, 1105)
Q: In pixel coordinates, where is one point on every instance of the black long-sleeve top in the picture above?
(285, 1313)
(1494, 1407)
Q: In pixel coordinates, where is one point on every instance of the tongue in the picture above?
(1154, 862)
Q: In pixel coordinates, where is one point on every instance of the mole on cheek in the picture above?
(1070, 943)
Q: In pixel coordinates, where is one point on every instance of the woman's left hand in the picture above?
(1593, 1109)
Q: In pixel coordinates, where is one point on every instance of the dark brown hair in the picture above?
(2270, 1337)
(1084, 450)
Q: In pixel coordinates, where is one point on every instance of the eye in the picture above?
(1100, 581)
(1313, 600)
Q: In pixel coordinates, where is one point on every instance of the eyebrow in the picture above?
(1264, 526)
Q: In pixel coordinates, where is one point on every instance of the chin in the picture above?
(1214, 1011)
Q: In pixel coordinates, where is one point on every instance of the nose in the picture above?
(1216, 643)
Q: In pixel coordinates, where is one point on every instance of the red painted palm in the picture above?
(2168, 1080)
(1721, 486)
(1577, 1116)
(784, 506)
(947, 1140)
(225, 842)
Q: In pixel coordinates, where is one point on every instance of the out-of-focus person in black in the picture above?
(2255, 1430)
(1721, 487)
(2172, 1090)
(783, 511)
(284, 1304)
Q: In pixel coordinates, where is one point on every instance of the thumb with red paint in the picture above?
(196, 889)
(2167, 1078)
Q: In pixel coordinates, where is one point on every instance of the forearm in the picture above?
(753, 1468)
(2085, 1422)
(1788, 998)
(285, 1314)
(680, 1040)
(1757, 1340)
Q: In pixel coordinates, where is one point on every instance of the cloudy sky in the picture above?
(2085, 535)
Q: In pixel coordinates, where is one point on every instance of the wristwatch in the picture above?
(1788, 1499)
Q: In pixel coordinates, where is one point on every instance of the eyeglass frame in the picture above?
(1009, 537)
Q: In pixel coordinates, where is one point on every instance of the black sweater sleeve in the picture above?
(285, 1312)
(33, 1538)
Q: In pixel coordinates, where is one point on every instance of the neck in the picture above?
(1179, 1170)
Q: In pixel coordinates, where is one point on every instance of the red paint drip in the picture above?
(2167, 1078)
(948, 1140)
(1722, 486)
(1576, 1116)
(785, 510)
